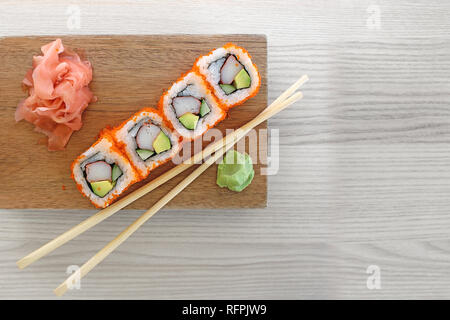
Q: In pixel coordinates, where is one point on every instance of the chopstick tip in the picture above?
(60, 290)
(21, 264)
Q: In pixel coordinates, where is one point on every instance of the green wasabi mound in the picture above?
(235, 172)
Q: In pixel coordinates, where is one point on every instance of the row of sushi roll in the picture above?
(219, 80)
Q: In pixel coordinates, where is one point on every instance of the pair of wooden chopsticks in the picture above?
(218, 148)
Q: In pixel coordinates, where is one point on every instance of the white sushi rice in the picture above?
(209, 66)
(101, 151)
(191, 85)
(127, 136)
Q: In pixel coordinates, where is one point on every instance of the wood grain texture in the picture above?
(364, 177)
(130, 72)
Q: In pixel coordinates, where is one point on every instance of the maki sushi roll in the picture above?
(190, 107)
(102, 172)
(230, 72)
(147, 140)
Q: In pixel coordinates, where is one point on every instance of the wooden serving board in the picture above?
(130, 72)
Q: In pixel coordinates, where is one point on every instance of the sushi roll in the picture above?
(146, 140)
(102, 172)
(230, 72)
(190, 107)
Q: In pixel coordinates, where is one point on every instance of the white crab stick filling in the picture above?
(229, 70)
(98, 171)
(146, 135)
(186, 104)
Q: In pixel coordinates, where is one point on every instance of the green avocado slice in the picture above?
(116, 172)
(227, 88)
(101, 188)
(242, 80)
(189, 120)
(204, 108)
(144, 154)
(161, 142)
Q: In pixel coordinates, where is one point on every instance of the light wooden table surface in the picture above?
(364, 175)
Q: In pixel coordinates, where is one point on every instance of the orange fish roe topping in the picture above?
(121, 144)
(119, 148)
(230, 45)
(210, 94)
(105, 135)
